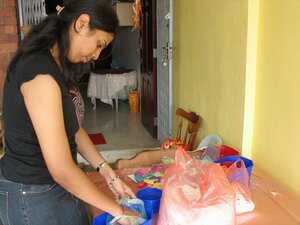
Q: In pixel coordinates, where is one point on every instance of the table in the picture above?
(274, 205)
(114, 84)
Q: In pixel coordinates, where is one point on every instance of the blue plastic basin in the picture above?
(101, 220)
(248, 162)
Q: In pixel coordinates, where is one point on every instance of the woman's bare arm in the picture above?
(87, 150)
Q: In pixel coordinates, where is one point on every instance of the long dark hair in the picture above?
(55, 28)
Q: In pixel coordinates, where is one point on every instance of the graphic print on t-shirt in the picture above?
(79, 104)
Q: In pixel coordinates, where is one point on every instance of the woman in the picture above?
(40, 182)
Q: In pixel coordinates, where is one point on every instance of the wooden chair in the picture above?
(189, 124)
(148, 158)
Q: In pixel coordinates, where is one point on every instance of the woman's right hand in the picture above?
(126, 221)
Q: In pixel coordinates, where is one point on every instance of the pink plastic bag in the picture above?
(238, 177)
(196, 195)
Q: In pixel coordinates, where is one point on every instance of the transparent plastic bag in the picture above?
(134, 220)
(196, 195)
(134, 204)
(238, 177)
(212, 152)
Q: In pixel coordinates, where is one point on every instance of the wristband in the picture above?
(114, 179)
(104, 163)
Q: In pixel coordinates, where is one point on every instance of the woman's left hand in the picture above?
(120, 189)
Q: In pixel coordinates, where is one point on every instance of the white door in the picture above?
(164, 68)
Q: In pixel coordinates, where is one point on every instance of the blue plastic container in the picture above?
(248, 162)
(101, 220)
(151, 198)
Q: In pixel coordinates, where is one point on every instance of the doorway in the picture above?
(156, 67)
(122, 131)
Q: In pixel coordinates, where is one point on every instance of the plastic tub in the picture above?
(101, 220)
(151, 198)
(227, 151)
(232, 159)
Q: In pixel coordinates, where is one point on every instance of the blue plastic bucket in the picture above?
(151, 198)
(101, 220)
(248, 162)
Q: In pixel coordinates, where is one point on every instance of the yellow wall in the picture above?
(213, 62)
(209, 64)
(277, 111)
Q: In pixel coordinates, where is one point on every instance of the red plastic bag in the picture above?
(173, 143)
(196, 195)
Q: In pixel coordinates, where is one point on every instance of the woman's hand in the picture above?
(120, 189)
(127, 221)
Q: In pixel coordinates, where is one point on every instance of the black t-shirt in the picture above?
(23, 161)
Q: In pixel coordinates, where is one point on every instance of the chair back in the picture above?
(188, 127)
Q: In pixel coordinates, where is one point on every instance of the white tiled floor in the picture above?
(124, 133)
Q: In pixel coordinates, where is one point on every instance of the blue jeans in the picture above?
(26, 204)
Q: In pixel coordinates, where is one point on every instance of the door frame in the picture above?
(149, 67)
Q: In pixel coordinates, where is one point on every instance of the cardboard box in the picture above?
(124, 11)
